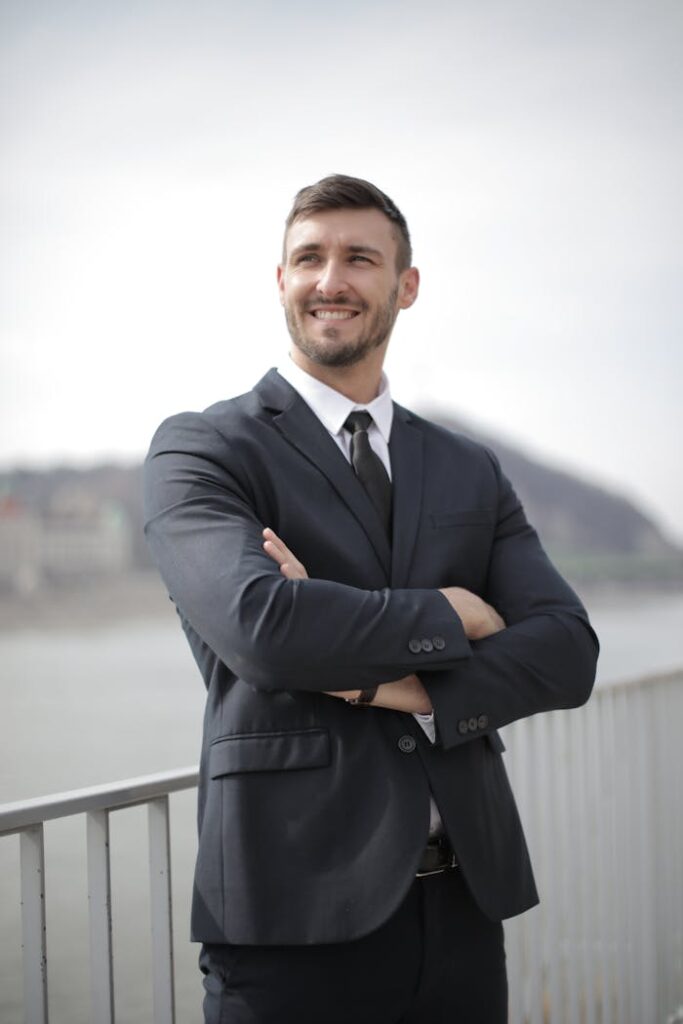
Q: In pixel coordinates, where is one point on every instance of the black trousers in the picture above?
(437, 960)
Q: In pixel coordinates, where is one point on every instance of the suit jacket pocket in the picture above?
(269, 751)
(464, 517)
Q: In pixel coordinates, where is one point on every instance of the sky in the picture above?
(150, 153)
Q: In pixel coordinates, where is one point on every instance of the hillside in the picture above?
(594, 534)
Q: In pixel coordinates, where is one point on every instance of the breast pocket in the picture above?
(458, 541)
(269, 752)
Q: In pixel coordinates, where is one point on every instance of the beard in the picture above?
(333, 349)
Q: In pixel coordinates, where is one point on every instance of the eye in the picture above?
(307, 257)
(357, 258)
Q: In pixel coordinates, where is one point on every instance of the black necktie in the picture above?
(368, 466)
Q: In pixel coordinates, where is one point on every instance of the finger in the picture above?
(277, 550)
(290, 566)
(497, 622)
(271, 537)
(274, 552)
(275, 547)
(497, 618)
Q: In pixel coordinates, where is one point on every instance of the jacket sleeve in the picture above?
(544, 659)
(206, 538)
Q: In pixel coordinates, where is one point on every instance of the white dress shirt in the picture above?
(332, 409)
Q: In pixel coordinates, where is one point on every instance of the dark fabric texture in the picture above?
(313, 814)
(437, 960)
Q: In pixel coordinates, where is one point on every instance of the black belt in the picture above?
(438, 856)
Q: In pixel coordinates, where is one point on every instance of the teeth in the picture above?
(334, 314)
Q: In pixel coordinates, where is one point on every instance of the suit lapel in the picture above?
(302, 428)
(407, 458)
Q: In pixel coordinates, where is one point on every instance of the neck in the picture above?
(359, 382)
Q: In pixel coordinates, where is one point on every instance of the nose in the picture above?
(331, 280)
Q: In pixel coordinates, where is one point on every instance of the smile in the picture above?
(334, 314)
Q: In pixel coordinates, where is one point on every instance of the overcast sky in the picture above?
(150, 152)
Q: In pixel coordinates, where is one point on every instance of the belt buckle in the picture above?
(448, 866)
(428, 874)
(440, 870)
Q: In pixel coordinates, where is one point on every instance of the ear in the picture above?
(281, 283)
(408, 287)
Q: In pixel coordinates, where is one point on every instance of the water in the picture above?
(117, 701)
(78, 709)
(639, 635)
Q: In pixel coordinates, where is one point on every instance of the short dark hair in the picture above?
(340, 192)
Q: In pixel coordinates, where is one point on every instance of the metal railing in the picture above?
(27, 817)
(600, 791)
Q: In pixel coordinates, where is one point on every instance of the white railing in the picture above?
(600, 791)
(27, 818)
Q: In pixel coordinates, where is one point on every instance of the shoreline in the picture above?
(141, 595)
(90, 604)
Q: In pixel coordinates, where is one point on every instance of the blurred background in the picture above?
(151, 152)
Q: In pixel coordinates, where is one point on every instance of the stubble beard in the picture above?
(330, 350)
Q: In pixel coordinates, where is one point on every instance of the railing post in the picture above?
(645, 840)
(33, 925)
(161, 907)
(99, 898)
(551, 843)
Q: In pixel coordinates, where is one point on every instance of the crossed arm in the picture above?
(479, 620)
(252, 608)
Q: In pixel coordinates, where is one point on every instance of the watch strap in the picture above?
(365, 697)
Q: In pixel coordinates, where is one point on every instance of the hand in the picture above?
(406, 694)
(290, 566)
(479, 619)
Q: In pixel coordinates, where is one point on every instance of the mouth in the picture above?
(333, 314)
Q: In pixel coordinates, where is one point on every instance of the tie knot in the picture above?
(356, 421)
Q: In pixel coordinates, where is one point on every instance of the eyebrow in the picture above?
(306, 247)
(367, 250)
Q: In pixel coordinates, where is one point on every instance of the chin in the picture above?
(346, 355)
(330, 351)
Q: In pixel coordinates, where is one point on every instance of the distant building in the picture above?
(78, 537)
(20, 548)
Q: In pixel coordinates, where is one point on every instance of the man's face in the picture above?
(340, 287)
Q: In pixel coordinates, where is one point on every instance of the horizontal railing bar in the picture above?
(672, 675)
(24, 813)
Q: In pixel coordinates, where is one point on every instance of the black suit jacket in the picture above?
(312, 813)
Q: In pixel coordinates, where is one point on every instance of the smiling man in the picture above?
(367, 605)
(343, 280)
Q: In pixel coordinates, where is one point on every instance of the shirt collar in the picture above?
(331, 407)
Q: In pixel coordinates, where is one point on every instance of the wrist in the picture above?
(363, 698)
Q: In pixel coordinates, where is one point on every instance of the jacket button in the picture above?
(439, 643)
(473, 725)
(414, 646)
(462, 726)
(427, 645)
(407, 744)
(483, 721)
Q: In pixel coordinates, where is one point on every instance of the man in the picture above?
(367, 605)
